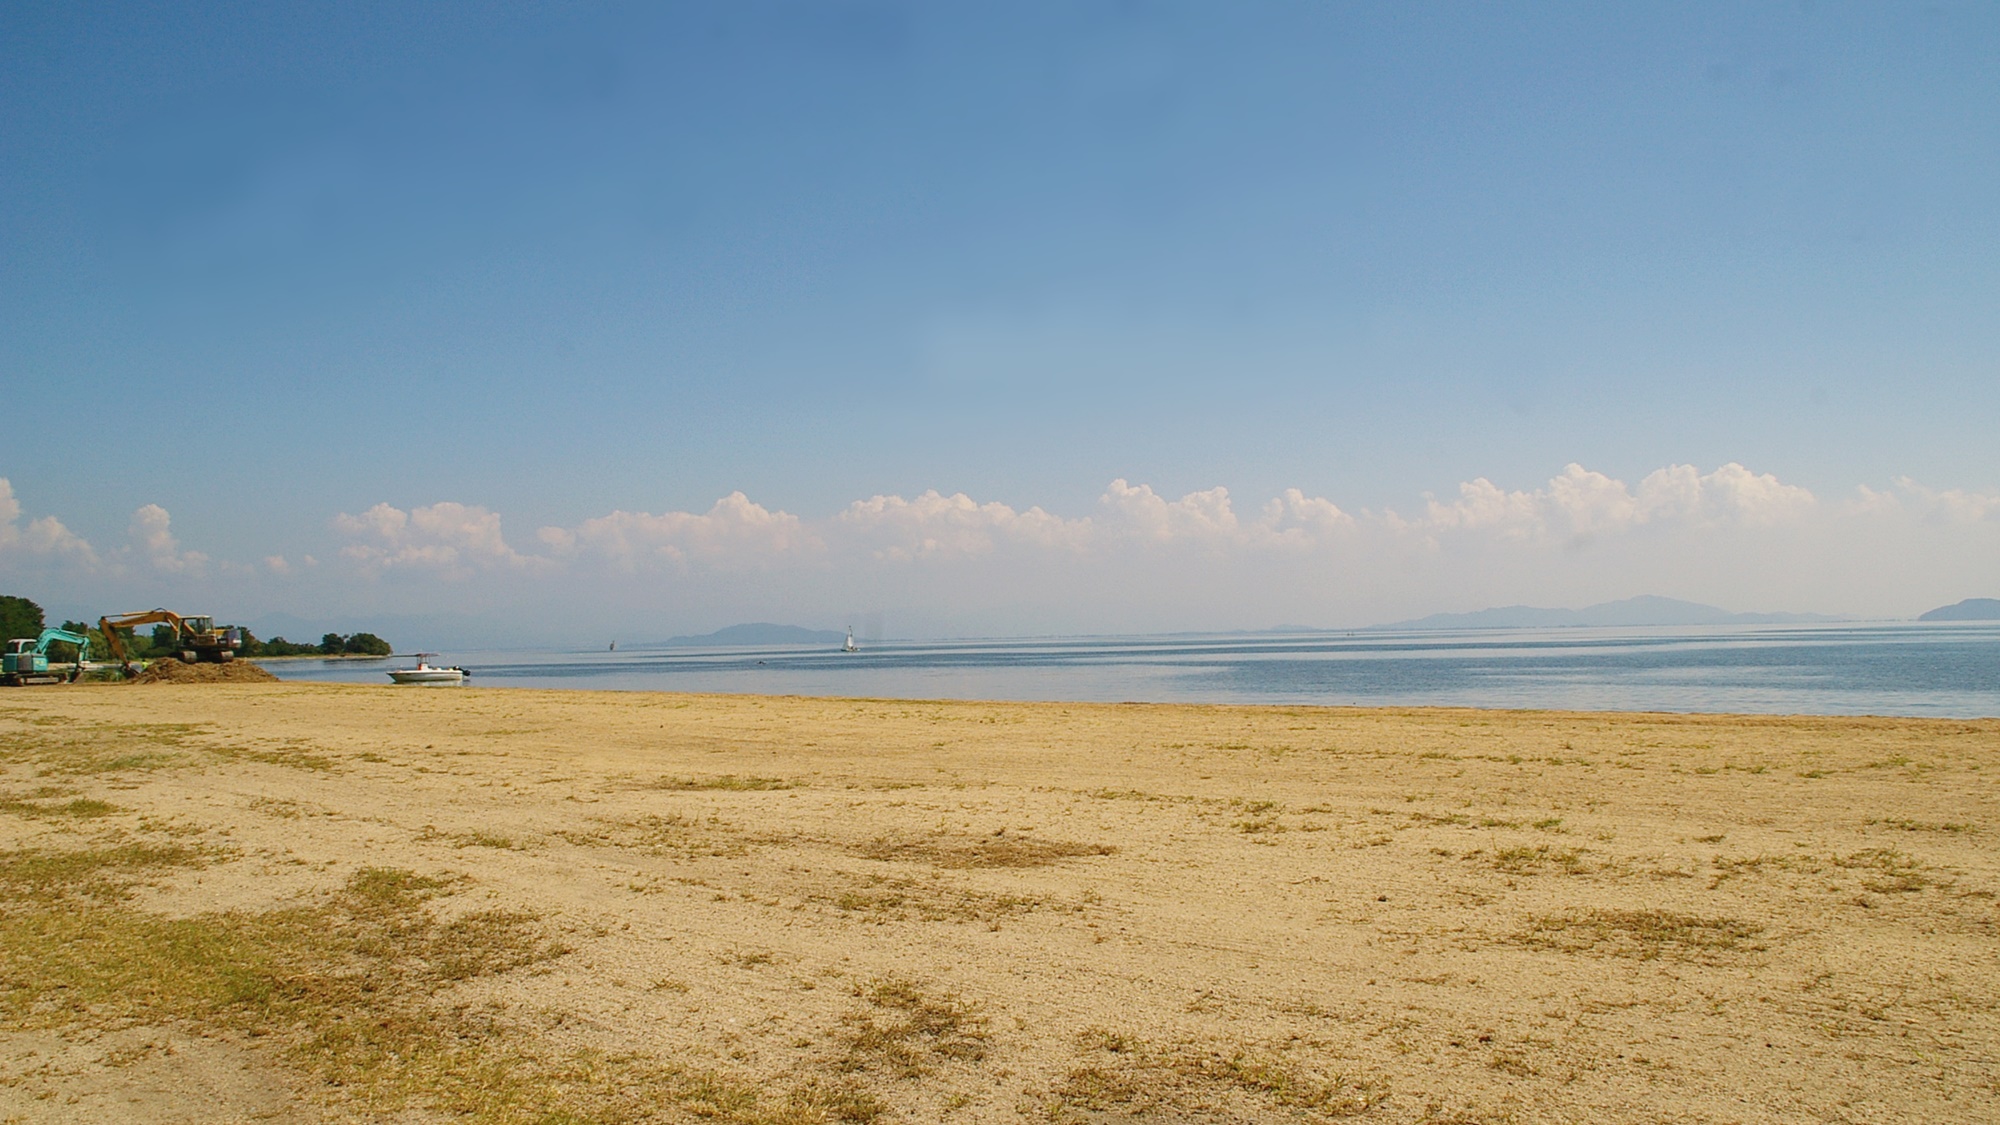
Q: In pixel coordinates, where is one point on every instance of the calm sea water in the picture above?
(1902, 669)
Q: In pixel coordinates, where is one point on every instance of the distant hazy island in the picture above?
(1971, 609)
(756, 633)
(1646, 609)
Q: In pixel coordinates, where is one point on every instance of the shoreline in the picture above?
(1219, 911)
(474, 683)
(1952, 677)
(344, 656)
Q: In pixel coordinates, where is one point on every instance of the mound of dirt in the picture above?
(174, 672)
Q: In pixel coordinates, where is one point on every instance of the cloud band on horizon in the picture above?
(1137, 552)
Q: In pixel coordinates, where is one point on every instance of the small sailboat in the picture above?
(427, 673)
(850, 646)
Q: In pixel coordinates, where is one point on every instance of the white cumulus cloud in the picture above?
(448, 538)
(1131, 519)
(45, 538)
(152, 536)
(1483, 504)
(735, 528)
(1136, 511)
(936, 525)
(1950, 505)
(1294, 518)
(1733, 492)
(1582, 502)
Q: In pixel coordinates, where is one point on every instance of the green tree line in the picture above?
(332, 644)
(22, 617)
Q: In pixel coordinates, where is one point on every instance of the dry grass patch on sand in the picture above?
(997, 849)
(1123, 1078)
(1645, 934)
(355, 991)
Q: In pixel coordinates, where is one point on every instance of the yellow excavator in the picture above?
(196, 636)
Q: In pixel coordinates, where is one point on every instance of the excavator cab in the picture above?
(21, 664)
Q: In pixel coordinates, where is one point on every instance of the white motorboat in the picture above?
(427, 673)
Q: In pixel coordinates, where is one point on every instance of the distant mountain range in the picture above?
(1971, 609)
(1646, 609)
(758, 633)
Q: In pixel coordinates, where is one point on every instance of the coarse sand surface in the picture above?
(292, 902)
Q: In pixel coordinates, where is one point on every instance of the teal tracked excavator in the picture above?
(26, 661)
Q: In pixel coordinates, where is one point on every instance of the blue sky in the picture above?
(266, 268)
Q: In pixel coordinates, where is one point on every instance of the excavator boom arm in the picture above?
(109, 626)
(64, 636)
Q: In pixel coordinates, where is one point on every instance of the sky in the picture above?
(563, 321)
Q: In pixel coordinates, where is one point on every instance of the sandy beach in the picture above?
(326, 903)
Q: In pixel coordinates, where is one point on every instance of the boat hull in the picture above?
(428, 676)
